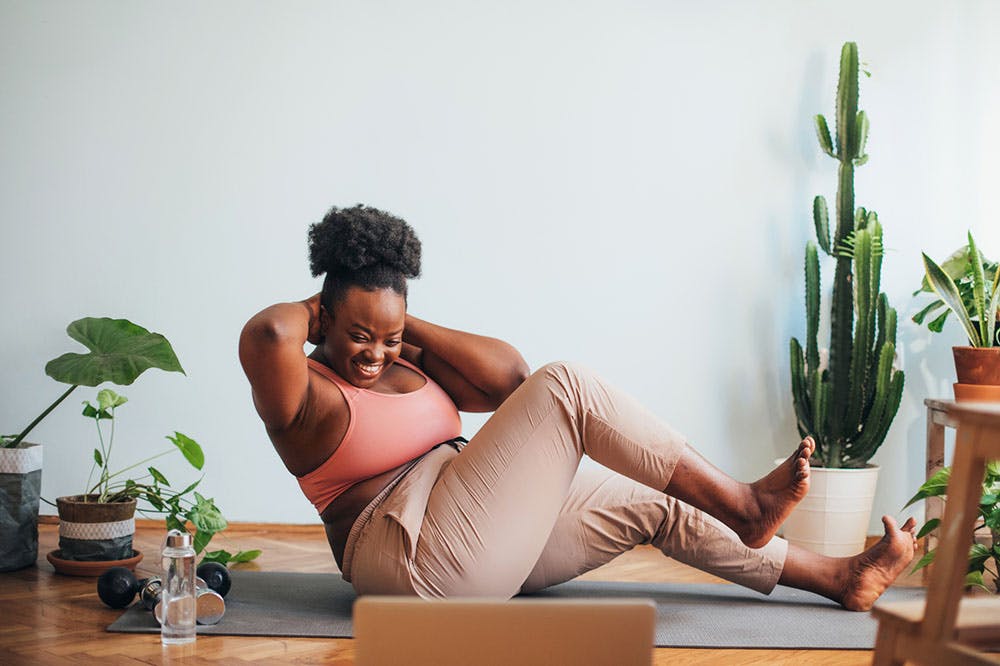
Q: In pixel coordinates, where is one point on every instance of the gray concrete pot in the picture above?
(20, 485)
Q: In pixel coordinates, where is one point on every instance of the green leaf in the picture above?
(946, 289)
(978, 555)
(993, 309)
(246, 556)
(159, 477)
(978, 289)
(154, 500)
(924, 561)
(935, 486)
(938, 324)
(190, 448)
(98, 458)
(92, 412)
(992, 519)
(220, 556)
(120, 351)
(920, 316)
(190, 488)
(928, 527)
(108, 399)
(975, 579)
(201, 540)
(206, 516)
(174, 523)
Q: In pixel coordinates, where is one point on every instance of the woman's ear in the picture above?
(325, 321)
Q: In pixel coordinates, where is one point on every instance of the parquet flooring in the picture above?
(48, 618)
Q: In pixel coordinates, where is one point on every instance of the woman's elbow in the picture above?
(519, 373)
(516, 374)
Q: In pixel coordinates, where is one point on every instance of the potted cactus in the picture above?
(846, 397)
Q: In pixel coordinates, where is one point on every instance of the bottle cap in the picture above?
(178, 539)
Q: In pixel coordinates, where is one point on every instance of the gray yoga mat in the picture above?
(688, 615)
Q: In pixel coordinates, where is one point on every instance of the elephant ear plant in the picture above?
(119, 351)
(847, 404)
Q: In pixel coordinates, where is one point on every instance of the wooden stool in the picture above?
(931, 633)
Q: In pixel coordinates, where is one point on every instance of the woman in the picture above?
(369, 425)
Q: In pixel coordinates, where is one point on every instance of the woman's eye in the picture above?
(358, 338)
(392, 343)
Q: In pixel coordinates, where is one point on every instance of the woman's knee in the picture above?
(565, 372)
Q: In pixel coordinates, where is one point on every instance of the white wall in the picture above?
(627, 184)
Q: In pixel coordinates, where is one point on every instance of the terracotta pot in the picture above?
(977, 393)
(977, 365)
(91, 531)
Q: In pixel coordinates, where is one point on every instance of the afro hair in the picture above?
(365, 247)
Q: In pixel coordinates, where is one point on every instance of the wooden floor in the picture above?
(48, 618)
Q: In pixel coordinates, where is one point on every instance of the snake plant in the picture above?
(969, 285)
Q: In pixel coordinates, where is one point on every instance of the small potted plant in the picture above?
(120, 351)
(96, 527)
(968, 285)
(984, 554)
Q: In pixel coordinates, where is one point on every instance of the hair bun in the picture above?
(349, 240)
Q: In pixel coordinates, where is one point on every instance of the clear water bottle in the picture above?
(179, 596)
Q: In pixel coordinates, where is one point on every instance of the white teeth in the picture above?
(369, 369)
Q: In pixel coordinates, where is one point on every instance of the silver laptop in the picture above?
(547, 632)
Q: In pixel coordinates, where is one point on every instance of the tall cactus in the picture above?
(848, 406)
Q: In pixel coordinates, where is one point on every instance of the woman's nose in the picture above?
(375, 353)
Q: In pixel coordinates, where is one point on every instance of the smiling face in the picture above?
(365, 334)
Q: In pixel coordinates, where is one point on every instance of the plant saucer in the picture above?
(96, 568)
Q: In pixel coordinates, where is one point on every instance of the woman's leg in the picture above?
(492, 509)
(606, 514)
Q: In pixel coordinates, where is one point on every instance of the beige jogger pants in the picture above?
(512, 513)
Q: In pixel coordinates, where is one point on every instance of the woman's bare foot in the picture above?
(854, 582)
(868, 574)
(771, 498)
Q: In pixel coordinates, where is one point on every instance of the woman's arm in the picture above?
(273, 360)
(478, 372)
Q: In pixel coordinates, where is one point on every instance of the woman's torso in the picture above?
(322, 429)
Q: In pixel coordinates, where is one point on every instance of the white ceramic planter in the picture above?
(833, 517)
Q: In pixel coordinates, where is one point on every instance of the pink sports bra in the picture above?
(385, 431)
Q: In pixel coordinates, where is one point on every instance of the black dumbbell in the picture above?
(216, 577)
(118, 586)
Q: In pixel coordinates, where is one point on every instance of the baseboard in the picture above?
(258, 528)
